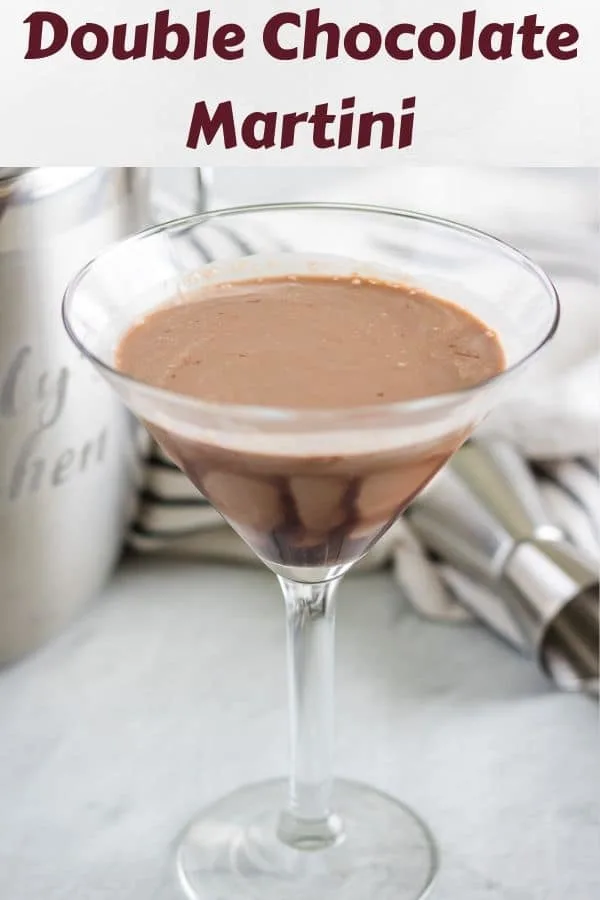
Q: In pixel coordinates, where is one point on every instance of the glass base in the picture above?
(232, 851)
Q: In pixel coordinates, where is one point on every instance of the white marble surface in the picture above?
(171, 691)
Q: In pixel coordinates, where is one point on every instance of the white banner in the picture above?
(265, 83)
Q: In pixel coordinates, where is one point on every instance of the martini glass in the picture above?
(310, 491)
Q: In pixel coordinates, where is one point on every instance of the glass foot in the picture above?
(232, 852)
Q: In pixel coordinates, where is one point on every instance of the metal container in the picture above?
(484, 518)
(67, 446)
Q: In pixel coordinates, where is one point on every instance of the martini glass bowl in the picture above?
(310, 491)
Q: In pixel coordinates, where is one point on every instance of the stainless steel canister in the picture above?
(67, 446)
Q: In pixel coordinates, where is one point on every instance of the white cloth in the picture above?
(553, 216)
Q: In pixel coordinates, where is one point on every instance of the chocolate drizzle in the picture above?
(266, 510)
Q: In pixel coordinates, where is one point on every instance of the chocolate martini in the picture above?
(310, 407)
(310, 343)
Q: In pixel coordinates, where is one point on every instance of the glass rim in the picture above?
(256, 413)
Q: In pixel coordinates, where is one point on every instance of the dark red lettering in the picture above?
(366, 121)
(312, 31)
(265, 140)
(138, 48)
(60, 33)
(271, 35)
(392, 41)
(228, 40)
(346, 123)
(562, 41)
(203, 125)
(320, 119)
(529, 30)
(201, 34)
(163, 29)
(467, 34)
(288, 128)
(351, 40)
(407, 123)
(503, 48)
(78, 41)
(448, 39)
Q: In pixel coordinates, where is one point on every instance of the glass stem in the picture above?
(308, 822)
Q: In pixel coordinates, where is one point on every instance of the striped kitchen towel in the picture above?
(170, 507)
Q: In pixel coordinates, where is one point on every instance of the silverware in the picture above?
(581, 482)
(483, 517)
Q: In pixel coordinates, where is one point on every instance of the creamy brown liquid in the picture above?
(310, 343)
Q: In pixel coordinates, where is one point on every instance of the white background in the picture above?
(62, 110)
